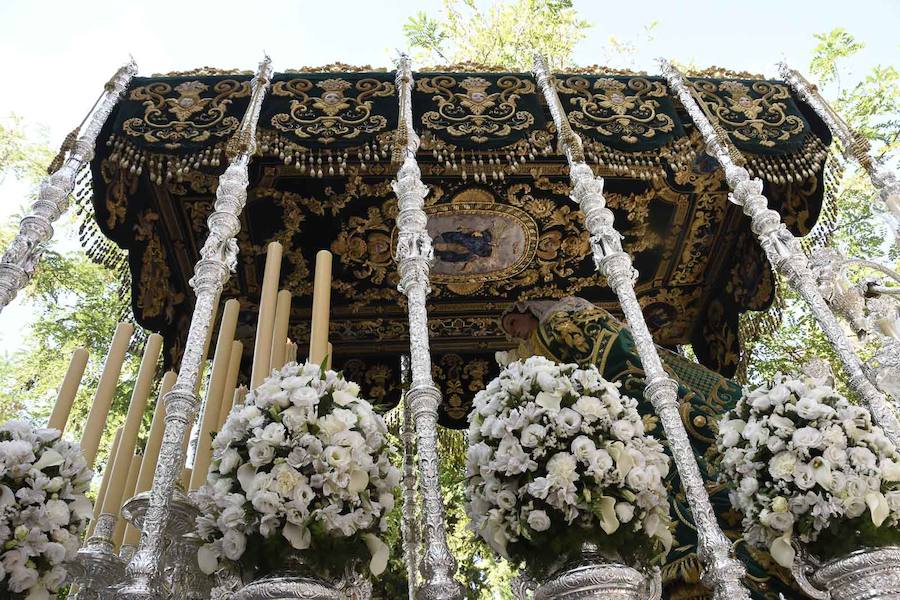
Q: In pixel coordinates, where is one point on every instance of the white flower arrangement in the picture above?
(558, 456)
(305, 465)
(43, 509)
(805, 463)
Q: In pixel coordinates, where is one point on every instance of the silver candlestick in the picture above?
(722, 573)
(218, 259)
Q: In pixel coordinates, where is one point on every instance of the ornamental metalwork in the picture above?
(218, 259)
(36, 229)
(722, 572)
(414, 255)
(784, 252)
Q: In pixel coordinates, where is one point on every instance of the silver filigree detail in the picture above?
(866, 574)
(784, 253)
(883, 178)
(722, 573)
(36, 229)
(96, 567)
(217, 259)
(409, 521)
(413, 257)
(592, 577)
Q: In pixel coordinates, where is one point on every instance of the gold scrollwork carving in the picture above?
(751, 111)
(612, 107)
(192, 116)
(325, 112)
(476, 113)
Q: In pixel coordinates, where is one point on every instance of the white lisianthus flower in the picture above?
(553, 444)
(538, 520)
(828, 462)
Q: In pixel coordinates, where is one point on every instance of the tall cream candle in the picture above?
(234, 371)
(213, 404)
(330, 356)
(104, 483)
(290, 352)
(321, 307)
(185, 477)
(262, 351)
(113, 500)
(106, 390)
(154, 438)
(279, 335)
(68, 390)
(133, 471)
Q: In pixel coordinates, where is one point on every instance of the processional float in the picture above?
(465, 221)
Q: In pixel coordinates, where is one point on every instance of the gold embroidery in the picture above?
(476, 113)
(751, 111)
(331, 115)
(614, 108)
(192, 116)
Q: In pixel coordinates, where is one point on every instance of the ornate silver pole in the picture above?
(853, 144)
(36, 229)
(414, 256)
(722, 573)
(408, 520)
(783, 251)
(218, 258)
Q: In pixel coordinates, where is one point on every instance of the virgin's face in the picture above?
(519, 325)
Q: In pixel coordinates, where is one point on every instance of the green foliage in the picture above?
(20, 156)
(501, 35)
(871, 106)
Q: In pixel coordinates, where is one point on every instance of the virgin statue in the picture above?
(573, 330)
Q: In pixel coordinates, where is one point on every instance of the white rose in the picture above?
(57, 513)
(748, 486)
(809, 409)
(784, 426)
(538, 520)
(273, 434)
(546, 381)
(343, 398)
(804, 476)
(862, 458)
(506, 499)
(568, 421)
(233, 544)
(755, 433)
(624, 511)
(338, 457)
(261, 454)
(835, 456)
(266, 502)
(583, 448)
(807, 438)
(304, 397)
(775, 444)
(639, 479)
(54, 552)
(779, 521)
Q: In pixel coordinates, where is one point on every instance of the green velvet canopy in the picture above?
(504, 228)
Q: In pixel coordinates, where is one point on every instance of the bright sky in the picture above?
(57, 55)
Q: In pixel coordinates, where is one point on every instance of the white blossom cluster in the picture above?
(553, 445)
(305, 456)
(43, 508)
(800, 457)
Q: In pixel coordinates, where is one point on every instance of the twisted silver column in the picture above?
(414, 257)
(784, 252)
(36, 229)
(853, 145)
(409, 522)
(218, 258)
(722, 573)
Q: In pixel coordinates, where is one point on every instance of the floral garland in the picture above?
(803, 462)
(43, 508)
(304, 465)
(557, 456)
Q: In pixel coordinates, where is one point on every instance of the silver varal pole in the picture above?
(414, 257)
(409, 522)
(853, 145)
(218, 258)
(36, 229)
(722, 573)
(783, 251)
